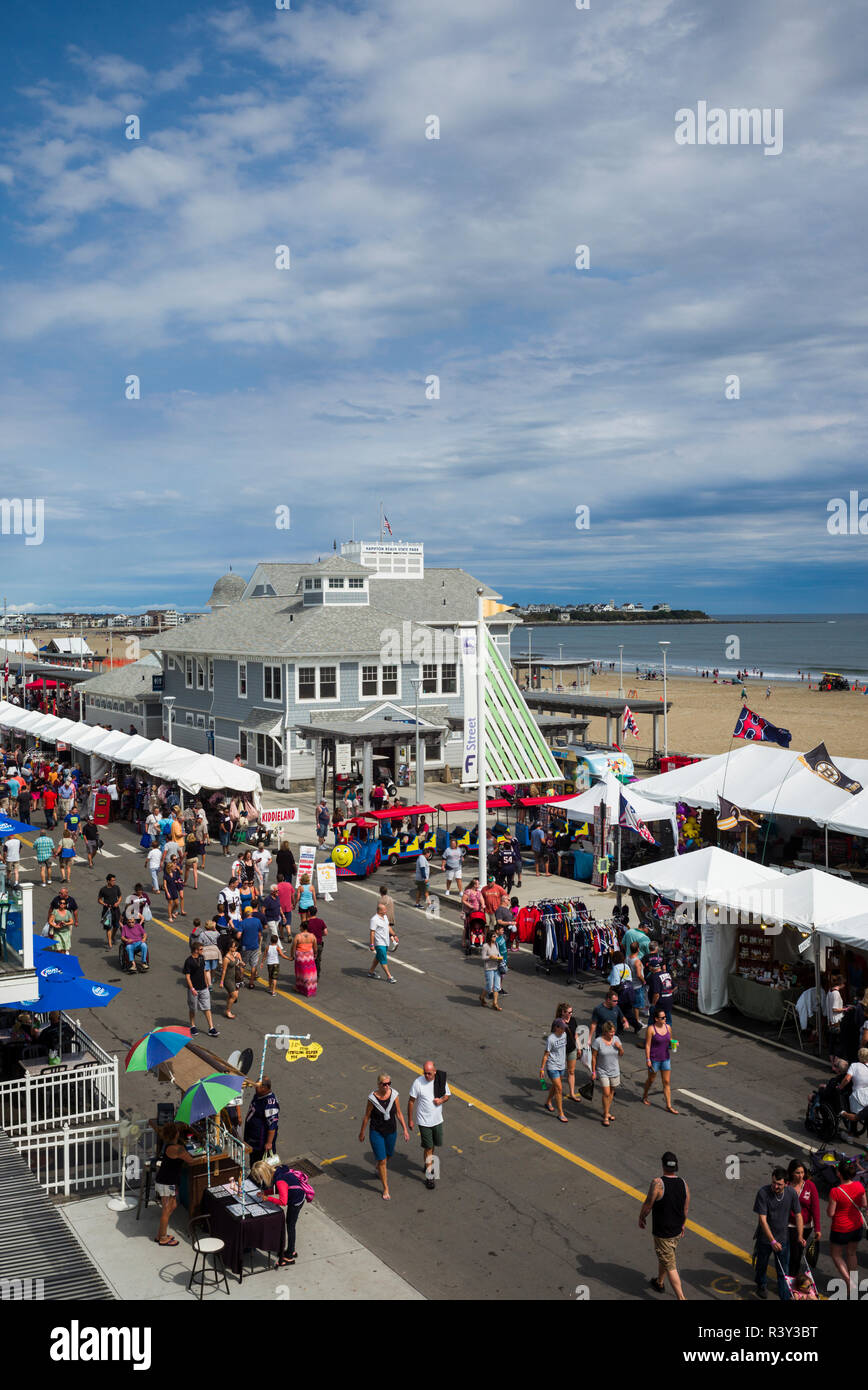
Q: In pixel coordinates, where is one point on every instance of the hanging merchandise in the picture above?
(567, 933)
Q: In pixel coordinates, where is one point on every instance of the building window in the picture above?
(440, 679)
(200, 676)
(308, 584)
(242, 680)
(171, 663)
(200, 721)
(379, 680)
(312, 584)
(188, 672)
(189, 717)
(357, 583)
(210, 674)
(268, 751)
(336, 583)
(242, 744)
(272, 683)
(317, 683)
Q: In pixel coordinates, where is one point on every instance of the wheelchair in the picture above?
(123, 961)
(825, 1116)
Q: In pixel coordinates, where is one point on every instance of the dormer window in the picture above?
(336, 583)
(313, 584)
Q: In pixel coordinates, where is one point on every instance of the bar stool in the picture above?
(791, 1017)
(205, 1245)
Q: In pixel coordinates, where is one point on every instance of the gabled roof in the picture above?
(130, 682)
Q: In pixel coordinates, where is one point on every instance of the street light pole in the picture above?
(663, 646)
(420, 775)
(169, 702)
(620, 670)
(482, 830)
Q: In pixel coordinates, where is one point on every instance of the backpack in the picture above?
(283, 1174)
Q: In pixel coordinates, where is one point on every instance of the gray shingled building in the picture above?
(331, 641)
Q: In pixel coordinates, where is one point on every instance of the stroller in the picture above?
(802, 1286)
(474, 931)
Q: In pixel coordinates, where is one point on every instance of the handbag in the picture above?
(145, 841)
(812, 1250)
(587, 1091)
(147, 914)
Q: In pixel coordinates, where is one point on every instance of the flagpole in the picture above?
(480, 738)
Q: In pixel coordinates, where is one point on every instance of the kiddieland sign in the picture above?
(282, 813)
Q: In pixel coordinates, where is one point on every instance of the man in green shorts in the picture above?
(428, 1094)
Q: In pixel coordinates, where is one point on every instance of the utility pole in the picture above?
(663, 646)
(482, 831)
(420, 771)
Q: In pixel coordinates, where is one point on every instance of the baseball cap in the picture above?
(669, 1160)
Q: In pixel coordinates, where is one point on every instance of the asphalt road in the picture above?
(526, 1207)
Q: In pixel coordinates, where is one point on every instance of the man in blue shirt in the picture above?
(251, 932)
(632, 935)
(537, 843)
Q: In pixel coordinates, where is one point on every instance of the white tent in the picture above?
(28, 719)
(583, 806)
(79, 727)
(53, 728)
(768, 780)
(158, 759)
(705, 875)
(812, 900)
(89, 740)
(43, 725)
(109, 746)
(133, 745)
(200, 770)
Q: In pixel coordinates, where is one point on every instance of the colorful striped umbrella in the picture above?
(208, 1097)
(155, 1047)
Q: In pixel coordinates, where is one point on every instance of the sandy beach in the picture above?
(703, 715)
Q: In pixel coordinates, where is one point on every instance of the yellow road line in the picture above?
(599, 1173)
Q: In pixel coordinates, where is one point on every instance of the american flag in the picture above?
(630, 726)
(630, 821)
(386, 523)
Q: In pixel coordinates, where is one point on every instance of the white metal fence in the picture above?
(83, 1094)
(83, 1158)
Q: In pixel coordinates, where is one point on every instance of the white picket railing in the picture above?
(84, 1094)
(82, 1158)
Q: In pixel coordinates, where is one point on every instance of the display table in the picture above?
(266, 1233)
(758, 1001)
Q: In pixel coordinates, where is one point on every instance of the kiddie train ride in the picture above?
(371, 838)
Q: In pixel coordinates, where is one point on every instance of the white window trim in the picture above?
(188, 672)
(210, 673)
(379, 695)
(274, 666)
(268, 767)
(439, 693)
(242, 695)
(201, 676)
(170, 664)
(318, 699)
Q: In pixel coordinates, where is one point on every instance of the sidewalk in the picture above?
(332, 1265)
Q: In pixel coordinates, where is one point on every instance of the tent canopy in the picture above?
(159, 757)
(199, 770)
(583, 806)
(769, 781)
(709, 874)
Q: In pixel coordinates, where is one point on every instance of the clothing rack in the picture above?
(567, 934)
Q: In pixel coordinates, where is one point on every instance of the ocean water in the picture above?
(780, 646)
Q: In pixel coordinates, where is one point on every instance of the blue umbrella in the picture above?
(53, 966)
(69, 994)
(8, 826)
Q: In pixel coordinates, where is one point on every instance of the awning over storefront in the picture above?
(263, 721)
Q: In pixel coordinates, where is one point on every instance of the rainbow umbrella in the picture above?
(208, 1097)
(155, 1047)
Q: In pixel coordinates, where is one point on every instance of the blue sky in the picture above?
(412, 257)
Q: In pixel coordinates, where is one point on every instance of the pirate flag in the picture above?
(730, 816)
(819, 762)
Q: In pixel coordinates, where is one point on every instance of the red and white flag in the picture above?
(386, 523)
(630, 726)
